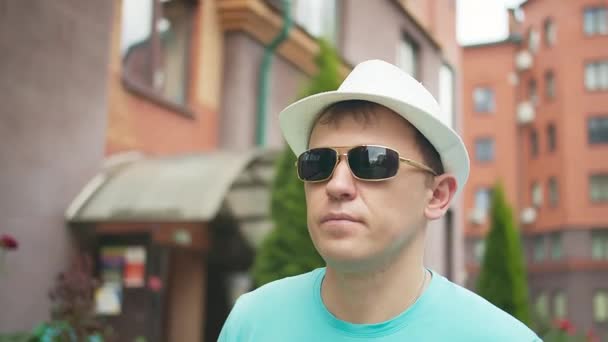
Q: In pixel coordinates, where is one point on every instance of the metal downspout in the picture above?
(263, 91)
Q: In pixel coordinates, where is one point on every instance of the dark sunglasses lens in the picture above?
(373, 162)
(316, 164)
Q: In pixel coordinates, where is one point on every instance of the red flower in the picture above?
(565, 326)
(592, 337)
(8, 242)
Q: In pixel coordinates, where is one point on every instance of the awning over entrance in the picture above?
(188, 188)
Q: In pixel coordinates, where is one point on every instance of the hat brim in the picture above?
(297, 120)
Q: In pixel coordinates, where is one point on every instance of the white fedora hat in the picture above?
(385, 84)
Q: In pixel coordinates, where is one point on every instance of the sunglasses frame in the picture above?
(408, 161)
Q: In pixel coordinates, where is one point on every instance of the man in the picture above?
(377, 165)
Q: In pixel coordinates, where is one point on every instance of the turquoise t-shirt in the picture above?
(291, 309)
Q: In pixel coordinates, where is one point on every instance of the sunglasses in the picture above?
(366, 162)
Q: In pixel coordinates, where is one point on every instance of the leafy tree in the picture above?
(503, 278)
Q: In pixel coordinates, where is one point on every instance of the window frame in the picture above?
(550, 37)
(412, 44)
(603, 120)
(560, 294)
(551, 137)
(147, 91)
(536, 194)
(539, 249)
(593, 68)
(604, 294)
(595, 12)
(553, 188)
(556, 239)
(490, 108)
(534, 146)
(600, 200)
(492, 145)
(550, 86)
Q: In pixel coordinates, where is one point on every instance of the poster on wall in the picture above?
(135, 266)
(108, 299)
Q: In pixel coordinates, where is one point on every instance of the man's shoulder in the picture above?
(276, 303)
(279, 292)
(475, 313)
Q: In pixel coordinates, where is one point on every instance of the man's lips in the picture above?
(339, 217)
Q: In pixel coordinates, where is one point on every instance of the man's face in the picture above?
(384, 215)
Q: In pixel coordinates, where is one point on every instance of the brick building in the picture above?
(545, 88)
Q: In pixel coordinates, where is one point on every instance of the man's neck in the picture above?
(377, 295)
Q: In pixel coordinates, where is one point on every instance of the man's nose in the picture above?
(341, 185)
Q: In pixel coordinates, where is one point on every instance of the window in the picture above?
(549, 85)
(600, 306)
(484, 149)
(596, 75)
(317, 17)
(599, 245)
(537, 194)
(596, 20)
(407, 56)
(560, 305)
(551, 137)
(533, 40)
(550, 32)
(542, 305)
(446, 94)
(597, 130)
(556, 246)
(479, 250)
(539, 248)
(533, 143)
(553, 192)
(155, 47)
(532, 94)
(598, 187)
(484, 100)
(483, 199)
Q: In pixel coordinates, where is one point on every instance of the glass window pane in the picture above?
(174, 33)
(539, 248)
(317, 17)
(483, 198)
(136, 42)
(598, 188)
(479, 250)
(590, 76)
(598, 130)
(553, 192)
(484, 149)
(600, 306)
(446, 94)
(602, 20)
(532, 92)
(537, 194)
(483, 99)
(533, 143)
(550, 85)
(550, 32)
(589, 21)
(556, 247)
(407, 55)
(598, 247)
(602, 75)
(542, 305)
(560, 305)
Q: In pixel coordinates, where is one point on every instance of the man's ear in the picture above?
(444, 188)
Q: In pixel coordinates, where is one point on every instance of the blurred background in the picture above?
(140, 154)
